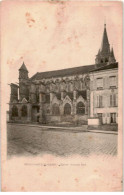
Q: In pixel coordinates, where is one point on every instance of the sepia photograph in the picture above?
(61, 67)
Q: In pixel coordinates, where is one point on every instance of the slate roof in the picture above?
(106, 67)
(63, 72)
(83, 94)
(70, 94)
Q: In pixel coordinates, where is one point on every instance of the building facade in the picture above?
(68, 95)
(104, 94)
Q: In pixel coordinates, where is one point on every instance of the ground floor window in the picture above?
(55, 109)
(80, 108)
(14, 111)
(67, 109)
(112, 117)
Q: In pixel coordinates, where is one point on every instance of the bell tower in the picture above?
(105, 56)
(23, 83)
(23, 73)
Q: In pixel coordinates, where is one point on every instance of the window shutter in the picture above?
(104, 83)
(94, 84)
(114, 99)
(97, 102)
(111, 100)
(116, 81)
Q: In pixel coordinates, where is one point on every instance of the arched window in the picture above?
(80, 108)
(55, 109)
(101, 61)
(24, 110)
(14, 111)
(67, 109)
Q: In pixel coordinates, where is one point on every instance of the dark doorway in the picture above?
(67, 109)
(100, 117)
(55, 109)
(38, 117)
(35, 112)
(80, 108)
(14, 111)
(24, 110)
(113, 117)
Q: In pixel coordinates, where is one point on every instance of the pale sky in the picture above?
(50, 36)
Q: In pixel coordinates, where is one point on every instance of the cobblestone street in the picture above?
(27, 140)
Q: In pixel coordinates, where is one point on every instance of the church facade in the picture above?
(68, 95)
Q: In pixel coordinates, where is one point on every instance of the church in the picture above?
(80, 95)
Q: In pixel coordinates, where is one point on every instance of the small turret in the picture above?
(23, 73)
(112, 56)
(23, 83)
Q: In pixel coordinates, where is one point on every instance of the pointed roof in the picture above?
(105, 42)
(98, 52)
(23, 67)
(112, 53)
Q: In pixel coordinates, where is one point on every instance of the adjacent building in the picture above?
(69, 95)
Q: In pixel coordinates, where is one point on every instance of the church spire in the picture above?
(104, 55)
(105, 47)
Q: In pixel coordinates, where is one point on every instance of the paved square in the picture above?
(29, 140)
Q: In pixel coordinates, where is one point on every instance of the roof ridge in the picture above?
(66, 68)
(63, 72)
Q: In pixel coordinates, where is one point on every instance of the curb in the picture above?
(71, 129)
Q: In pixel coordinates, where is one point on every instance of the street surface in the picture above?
(27, 140)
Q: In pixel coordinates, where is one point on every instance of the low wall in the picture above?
(93, 121)
(51, 118)
(82, 119)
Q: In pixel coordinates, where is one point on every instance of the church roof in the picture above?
(23, 67)
(106, 67)
(63, 72)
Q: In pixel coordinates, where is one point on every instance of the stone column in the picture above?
(88, 103)
(19, 112)
(91, 104)
(63, 94)
(10, 112)
(74, 107)
(52, 94)
(40, 97)
(41, 113)
(29, 112)
(75, 94)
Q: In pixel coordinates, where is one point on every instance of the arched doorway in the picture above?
(55, 109)
(14, 111)
(80, 108)
(67, 109)
(24, 110)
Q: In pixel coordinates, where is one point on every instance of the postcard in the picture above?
(61, 96)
